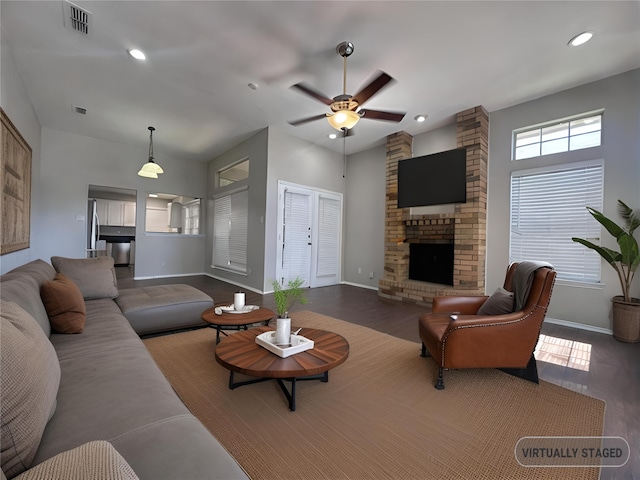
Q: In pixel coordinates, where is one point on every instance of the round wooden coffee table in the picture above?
(240, 353)
(236, 321)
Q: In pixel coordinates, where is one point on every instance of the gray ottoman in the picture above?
(163, 307)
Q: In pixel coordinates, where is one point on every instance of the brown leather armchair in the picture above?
(456, 336)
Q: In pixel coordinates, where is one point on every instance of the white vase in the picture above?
(283, 331)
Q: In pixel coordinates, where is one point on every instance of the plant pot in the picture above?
(626, 319)
(283, 331)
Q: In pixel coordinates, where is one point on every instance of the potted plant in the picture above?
(626, 309)
(285, 299)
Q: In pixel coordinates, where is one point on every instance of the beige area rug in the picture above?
(379, 416)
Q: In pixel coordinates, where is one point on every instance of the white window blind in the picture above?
(192, 218)
(296, 256)
(230, 215)
(328, 225)
(548, 207)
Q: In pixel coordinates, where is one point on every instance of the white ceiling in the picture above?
(446, 57)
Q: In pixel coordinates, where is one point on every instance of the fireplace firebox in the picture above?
(431, 262)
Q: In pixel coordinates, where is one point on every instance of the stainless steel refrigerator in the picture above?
(95, 246)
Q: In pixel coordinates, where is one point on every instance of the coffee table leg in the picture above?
(217, 334)
(291, 396)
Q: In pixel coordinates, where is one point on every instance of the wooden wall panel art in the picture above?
(15, 178)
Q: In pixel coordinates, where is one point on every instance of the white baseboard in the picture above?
(169, 276)
(226, 280)
(368, 287)
(581, 326)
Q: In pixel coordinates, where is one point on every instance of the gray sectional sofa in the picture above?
(94, 404)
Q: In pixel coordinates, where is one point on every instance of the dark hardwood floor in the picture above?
(591, 363)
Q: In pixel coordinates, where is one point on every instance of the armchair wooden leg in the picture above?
(439, 384)
(425, 352)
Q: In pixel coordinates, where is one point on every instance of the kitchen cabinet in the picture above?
(116, 213)
(129, 216)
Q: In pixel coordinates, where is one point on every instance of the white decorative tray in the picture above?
(298, 344)
(231, 309)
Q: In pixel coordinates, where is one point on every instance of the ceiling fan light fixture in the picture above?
(343, 119)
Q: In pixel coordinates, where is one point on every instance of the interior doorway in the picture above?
(309, 235)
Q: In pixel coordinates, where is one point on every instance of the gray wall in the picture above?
(296, 161)
(17, 106)
(273, 156)
(620, 98)
(63, 167)
(254, 148)
(70, 163)
(364, 211)
(365, 204)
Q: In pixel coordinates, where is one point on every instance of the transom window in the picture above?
(233, 173)
(559, 136)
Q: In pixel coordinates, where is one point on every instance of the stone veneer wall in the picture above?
(466, 226)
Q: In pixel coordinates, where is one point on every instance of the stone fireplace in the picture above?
(464, 229)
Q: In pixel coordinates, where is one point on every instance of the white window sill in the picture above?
(577, 284)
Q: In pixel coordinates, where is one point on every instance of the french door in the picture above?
(309, 231)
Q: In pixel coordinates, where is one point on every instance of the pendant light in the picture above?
(150, 169)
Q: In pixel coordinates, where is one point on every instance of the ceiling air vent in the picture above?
(76, 18)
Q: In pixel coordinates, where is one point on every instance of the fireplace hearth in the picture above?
(431, 262)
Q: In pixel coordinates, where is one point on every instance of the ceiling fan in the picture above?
(346, 109)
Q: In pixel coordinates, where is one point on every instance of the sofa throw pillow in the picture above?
(97, 459)
(64, 304)
(29, 381)
(499, 303)
(95, 277)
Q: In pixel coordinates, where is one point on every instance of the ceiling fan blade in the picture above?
(380, 80)
(295, 123)
(380, 115)
(313, 93)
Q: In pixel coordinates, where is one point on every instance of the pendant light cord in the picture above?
(151, 129)
(344, 151)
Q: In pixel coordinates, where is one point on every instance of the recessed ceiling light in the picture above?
(332, 136)
(420, 118)
(580, 39)
(253, 86)
(137, 54)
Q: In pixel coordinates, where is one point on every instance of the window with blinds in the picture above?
(230, 215)
(548, 207)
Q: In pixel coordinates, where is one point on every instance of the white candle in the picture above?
(238, 300)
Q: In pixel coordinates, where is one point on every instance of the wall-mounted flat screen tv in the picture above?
(435, 179)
